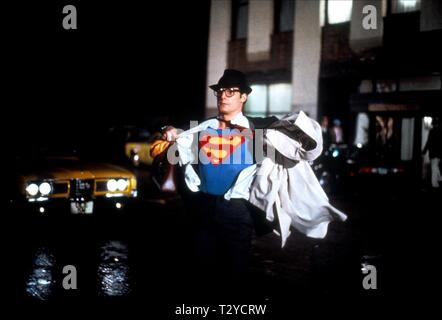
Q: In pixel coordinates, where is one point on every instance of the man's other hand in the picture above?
(158, 147)
(170, 134)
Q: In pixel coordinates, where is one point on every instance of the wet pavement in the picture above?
(141, 256)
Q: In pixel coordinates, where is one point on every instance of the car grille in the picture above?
(101, 186)
(82, 188)
(60, 188)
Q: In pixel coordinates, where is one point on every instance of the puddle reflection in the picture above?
(40, 283)
(113, 270)
(113, 273)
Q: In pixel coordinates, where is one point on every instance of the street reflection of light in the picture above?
(32, 189)
(113, 270)
(335, 153)
(118, 205)
(359, 145)
(40, 282)
(364, 267)
(43, 282)
(42, 210)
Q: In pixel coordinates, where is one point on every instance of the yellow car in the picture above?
(138, 150)
(67, 184)
(138, 153)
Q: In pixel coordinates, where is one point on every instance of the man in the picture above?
(224, 227)
(336, 132)
(325, 131)
(434, 147)
(225, 173)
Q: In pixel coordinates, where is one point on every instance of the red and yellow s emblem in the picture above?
(219, 147)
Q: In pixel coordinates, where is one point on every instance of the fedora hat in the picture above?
(232, 78)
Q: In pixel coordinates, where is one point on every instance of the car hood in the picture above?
(76, 171)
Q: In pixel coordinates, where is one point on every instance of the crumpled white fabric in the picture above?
(293, 193)
(295, 196)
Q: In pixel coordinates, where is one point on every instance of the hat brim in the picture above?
(246, 90)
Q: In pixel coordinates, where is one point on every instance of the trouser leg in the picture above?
(435, 172)
(234, 232)
(222, 238)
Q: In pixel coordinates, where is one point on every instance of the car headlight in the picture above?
(122, 184)
(45, 188)
(32, 189)
(112, 185)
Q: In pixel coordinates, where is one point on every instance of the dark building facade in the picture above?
(372, 64)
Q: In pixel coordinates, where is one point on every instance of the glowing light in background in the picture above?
(339, 11)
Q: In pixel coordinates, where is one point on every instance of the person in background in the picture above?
(434, 147)
(336, 132)
(326, 137)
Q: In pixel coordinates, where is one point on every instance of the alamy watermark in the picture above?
(70, 280)
(209, 146)
(370, 281)
(370, 19)
(70, 20)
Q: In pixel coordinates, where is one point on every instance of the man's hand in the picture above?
(158, 147)
(170, 133)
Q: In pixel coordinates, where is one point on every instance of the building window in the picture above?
(362, 130)
(384, 7)
(407, 135)
(402, 6)
(322, 12)
(284, 15)
(339, 11)
(385, 137)
(420, 83)
(240, 17)
(386, 85)
(269, 99)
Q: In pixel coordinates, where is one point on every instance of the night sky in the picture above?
(127, 63)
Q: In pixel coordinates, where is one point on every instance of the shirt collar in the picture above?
(239, 120)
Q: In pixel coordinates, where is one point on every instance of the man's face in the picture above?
(230, 100)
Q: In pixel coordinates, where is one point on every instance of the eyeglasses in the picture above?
(228, 91)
